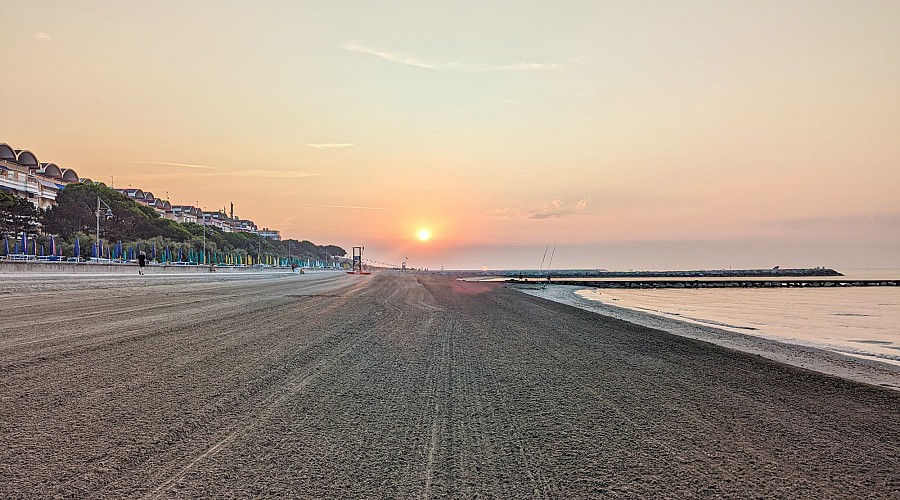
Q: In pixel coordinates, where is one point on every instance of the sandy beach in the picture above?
(325, 385)
(811, 358)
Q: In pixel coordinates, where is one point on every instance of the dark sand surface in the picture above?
(328, 385)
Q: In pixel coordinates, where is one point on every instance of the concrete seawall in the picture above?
(85, 267)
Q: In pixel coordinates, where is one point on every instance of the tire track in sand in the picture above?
(282, 394)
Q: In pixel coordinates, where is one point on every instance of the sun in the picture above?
(424, 234)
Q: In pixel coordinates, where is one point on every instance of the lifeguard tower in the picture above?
(358, 266)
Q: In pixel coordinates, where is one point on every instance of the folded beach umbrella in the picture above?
(77, 248)
(154, 251)
(52, 246)
(6, 244)
(42, 249)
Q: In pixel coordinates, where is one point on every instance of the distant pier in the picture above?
(774, 272)
(716, 283)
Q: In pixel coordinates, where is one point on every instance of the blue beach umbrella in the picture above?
(42, 249)
(77, 248)
(24, 243)
(6, 244)
(154, 251)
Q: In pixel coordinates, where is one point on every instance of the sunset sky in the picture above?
(637, 135)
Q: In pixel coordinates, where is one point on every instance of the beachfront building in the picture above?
(272, 234)
(217, 220)
(186, 213)
(243, 226)
(23, 175)
(162, 207)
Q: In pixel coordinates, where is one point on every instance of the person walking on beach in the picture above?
(142, 261)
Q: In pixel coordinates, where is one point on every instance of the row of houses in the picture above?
(23, 175)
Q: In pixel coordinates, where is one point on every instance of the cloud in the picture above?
(43, 37)
(555, 209)
(340, 206)
(186, 165)
(449, 66)
(273, 174)
(552, 210)
(503, 213)
(332, 145)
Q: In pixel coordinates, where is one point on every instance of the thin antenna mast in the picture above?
(552, 254)
(544, 257)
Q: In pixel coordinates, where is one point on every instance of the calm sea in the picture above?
(859, 321)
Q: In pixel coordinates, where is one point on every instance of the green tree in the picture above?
(334, 250)
(75, 211)
(18, 215)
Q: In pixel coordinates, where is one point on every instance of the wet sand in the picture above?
(329, 385)
(823, 361)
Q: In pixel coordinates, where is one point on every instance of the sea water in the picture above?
(858, 321)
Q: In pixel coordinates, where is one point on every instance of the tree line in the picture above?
(72, 225)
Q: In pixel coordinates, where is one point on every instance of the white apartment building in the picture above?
(23, 175)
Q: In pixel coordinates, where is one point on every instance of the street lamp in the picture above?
(204, 234)
(108, 215)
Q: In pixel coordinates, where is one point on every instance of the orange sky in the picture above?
(636, 134)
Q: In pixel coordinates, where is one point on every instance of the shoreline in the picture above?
(810, 358)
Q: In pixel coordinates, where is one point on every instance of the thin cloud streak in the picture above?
(332, 145)
(449, 66)
(43, 37)
(273, 174)
(186, 165)
(340, 206)
(260, 173)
